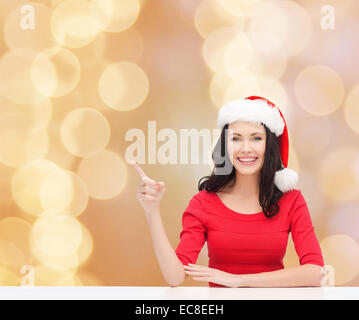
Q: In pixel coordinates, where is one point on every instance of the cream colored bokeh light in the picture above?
(18, 144)
(270, 65)
(115, 15)
(67, 262)
(337, 175)
(351, 109)
(215, 48)
(71, 260)
(55, 72)
(38, 115)
(235, 6)
(105, 174)
(15, 77)
(56, 191)
(342, 253)
(72, 24)
(26, 184)
(210, 15)
(281, 27)
(123, 86)
(47, 276)
(57, 151)
(239, 55)
(245, 85)
(56, 235)
(14, 238)
(86, 246)
(79, 200)
(85, 132)
(38, 38)
(319, 90)
(218, 87)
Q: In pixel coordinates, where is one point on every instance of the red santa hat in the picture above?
(260, 110)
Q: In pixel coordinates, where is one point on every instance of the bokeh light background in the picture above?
(90, 71)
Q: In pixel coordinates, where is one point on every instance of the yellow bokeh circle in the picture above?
(123, 86)
(56, 235)
(105, 174)
(55, 72)
(72, 23)
(19, 144)
(351, 109)
(337, 175)
(342, 253)
(85, 131)
(319, 90)
(26, 184)
(210, 15)
(115, 15)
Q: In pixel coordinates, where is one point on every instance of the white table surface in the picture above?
(177, 293)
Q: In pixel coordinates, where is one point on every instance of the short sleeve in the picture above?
(193, 234)
(305, 241)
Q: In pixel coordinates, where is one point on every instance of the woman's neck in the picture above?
(246, 187)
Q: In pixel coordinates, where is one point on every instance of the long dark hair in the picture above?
(269, 194)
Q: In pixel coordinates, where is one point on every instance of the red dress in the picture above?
(247, 243)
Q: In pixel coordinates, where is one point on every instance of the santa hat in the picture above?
(261, 110)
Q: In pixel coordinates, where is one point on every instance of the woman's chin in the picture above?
(247, 171)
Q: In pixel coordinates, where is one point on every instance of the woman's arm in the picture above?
(150, 194)
(308, 275)
(171, 267)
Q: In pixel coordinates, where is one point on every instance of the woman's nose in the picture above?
(246, 145)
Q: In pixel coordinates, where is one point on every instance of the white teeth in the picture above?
(247, 160)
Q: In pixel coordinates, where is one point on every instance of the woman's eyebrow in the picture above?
(238, 134)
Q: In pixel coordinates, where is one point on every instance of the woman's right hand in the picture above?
(149, 192)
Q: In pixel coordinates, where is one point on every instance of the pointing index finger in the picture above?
(138, 169)
(144, 177)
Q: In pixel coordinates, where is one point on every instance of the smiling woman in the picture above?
(248, 180)
(247, 226)
(246, 215)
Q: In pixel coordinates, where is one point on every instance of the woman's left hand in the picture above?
(201, 273)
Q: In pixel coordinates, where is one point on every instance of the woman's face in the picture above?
(247, 141)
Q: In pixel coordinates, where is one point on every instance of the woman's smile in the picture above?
(247, 161)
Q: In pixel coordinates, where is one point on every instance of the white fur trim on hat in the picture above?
(285, 179)
(252, 111)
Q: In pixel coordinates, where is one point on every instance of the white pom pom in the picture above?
(286, 179)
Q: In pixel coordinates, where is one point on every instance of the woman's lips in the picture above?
(247, 163)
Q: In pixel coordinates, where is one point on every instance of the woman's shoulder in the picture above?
(202, 198)
(292, 194)
(291, 199)
(204, 195)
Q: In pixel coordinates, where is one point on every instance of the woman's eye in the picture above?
(236, 139)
